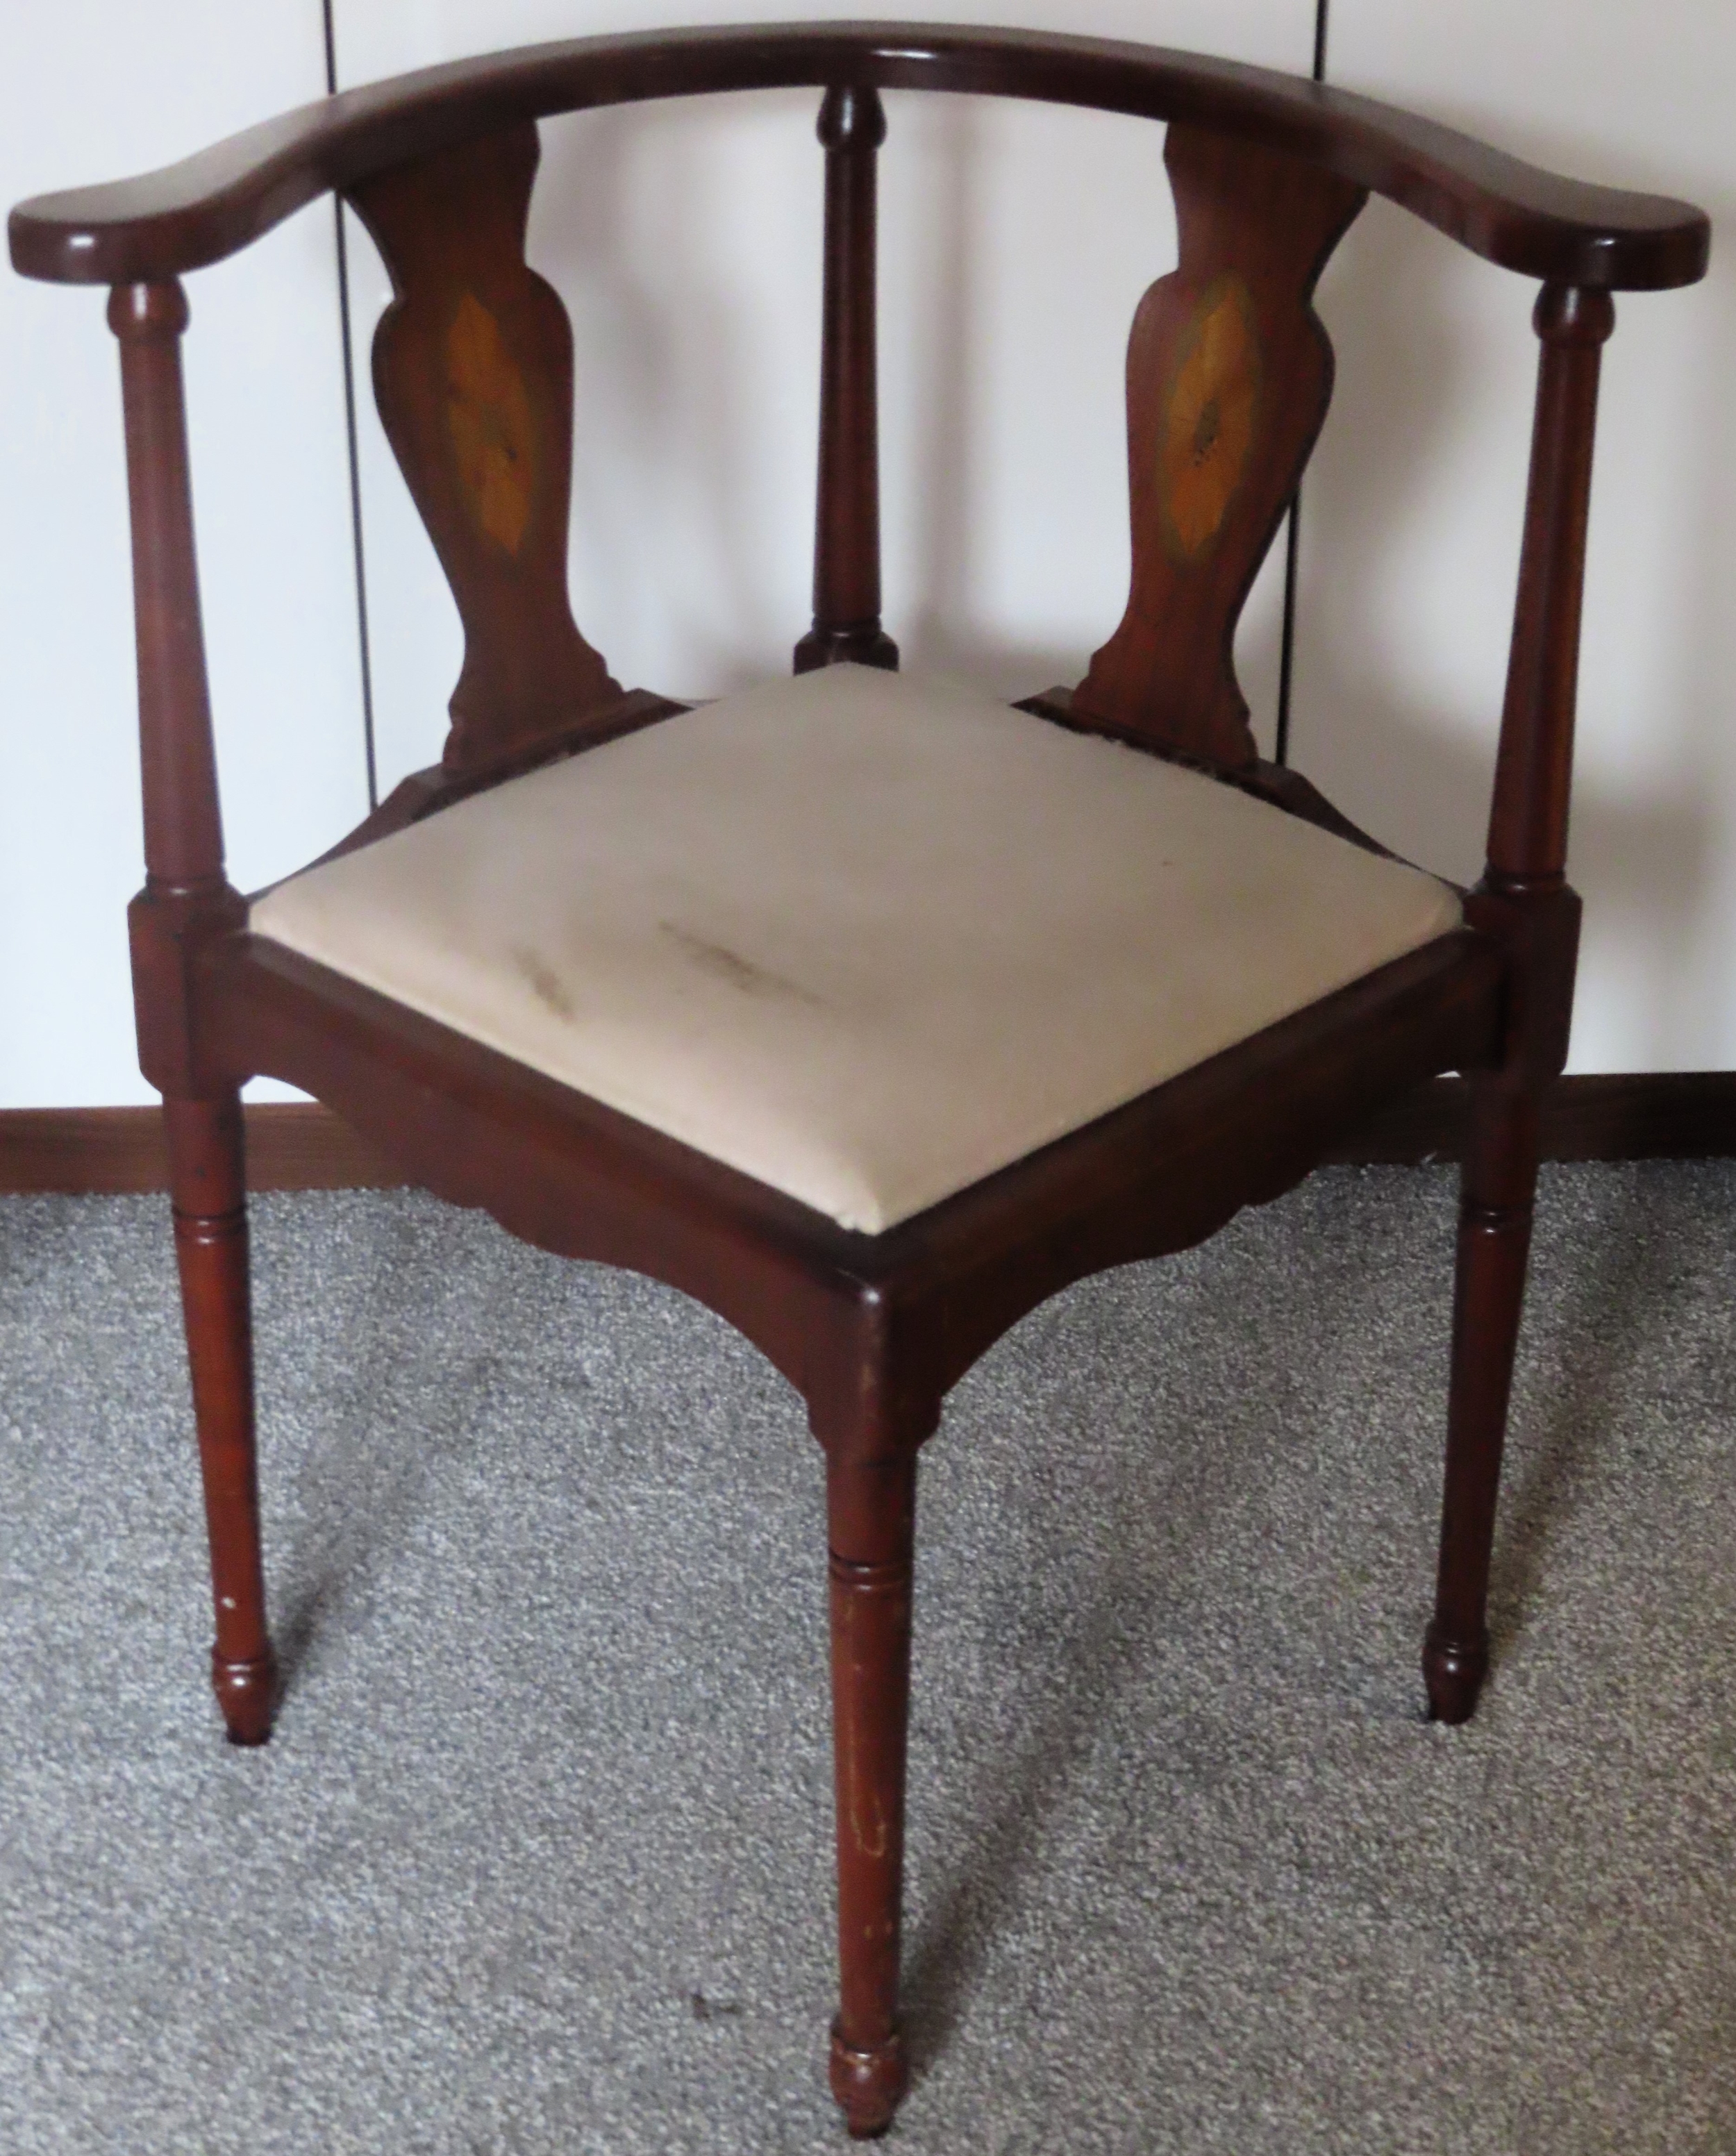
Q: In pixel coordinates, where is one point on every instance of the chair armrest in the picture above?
(209, 206)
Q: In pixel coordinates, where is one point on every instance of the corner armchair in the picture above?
(868, 1012)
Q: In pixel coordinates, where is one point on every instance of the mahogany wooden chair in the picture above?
(875, 1143)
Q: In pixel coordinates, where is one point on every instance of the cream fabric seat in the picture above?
(863, 938)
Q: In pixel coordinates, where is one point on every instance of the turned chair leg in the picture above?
(1499, 1180)
(207, 1182)
(870, 1519)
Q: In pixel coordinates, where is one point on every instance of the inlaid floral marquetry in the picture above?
(1211, 417)
(1228, 372)
(489, 418)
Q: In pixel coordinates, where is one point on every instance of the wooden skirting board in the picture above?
(1688, 1115)
(291, 1145)
(1652, 1115)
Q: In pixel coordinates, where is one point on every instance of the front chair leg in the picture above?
(1498, 1182)
(870, 1511)
(208, 1183)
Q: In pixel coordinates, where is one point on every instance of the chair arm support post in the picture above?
(187, 898)
(1533, 769)
(846, 536)
(183, 829)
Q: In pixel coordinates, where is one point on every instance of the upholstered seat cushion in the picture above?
(864, 937)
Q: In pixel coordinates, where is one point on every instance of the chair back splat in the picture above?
(473, 374)
(1228, 374)
(869, 1013)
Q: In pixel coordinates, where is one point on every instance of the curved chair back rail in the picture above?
(209, 206)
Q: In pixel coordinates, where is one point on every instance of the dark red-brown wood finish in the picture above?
(846, 525)
(195, 212)
(473, 375)
(1228, 373)
(1524, 901)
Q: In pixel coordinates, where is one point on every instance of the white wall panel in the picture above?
(1015, 243)
(1412, 514)
(686, 239)
(92, 90)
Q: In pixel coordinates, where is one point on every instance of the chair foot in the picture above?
(246, 1694)
(868, 2084)
(1453, 1671)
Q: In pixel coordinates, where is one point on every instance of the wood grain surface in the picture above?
(165, 223)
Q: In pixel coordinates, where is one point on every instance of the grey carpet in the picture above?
(539, 1859)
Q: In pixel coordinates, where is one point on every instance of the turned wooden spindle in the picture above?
(846, 537)
(183, 828)
(186, 901)
(871, 1521)
(1524, 899)
(1533, 765)
(208, 1178)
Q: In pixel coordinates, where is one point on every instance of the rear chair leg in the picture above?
(870, 1518)
(1498, 1182)
(208, 1180)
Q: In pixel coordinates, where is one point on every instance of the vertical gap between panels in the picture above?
(349, 415)
(1293, 538)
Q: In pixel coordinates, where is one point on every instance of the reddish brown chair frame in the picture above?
(1268, 173)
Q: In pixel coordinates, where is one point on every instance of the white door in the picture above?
(94, 90)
